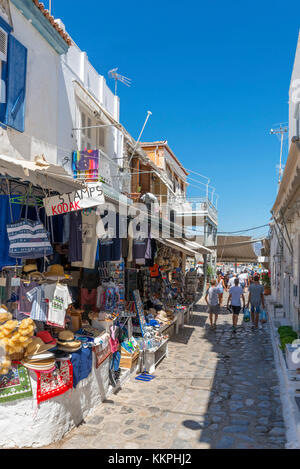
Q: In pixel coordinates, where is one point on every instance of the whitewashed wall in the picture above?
(43, 64)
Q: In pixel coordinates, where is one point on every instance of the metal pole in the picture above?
(280, 165)
(149, 113)
(50, 4)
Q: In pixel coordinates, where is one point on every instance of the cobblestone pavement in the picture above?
(216, 389)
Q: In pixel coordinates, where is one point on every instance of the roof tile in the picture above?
(50, 18)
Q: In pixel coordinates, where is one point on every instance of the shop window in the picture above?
(92, 137)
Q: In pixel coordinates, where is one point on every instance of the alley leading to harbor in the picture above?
(216, 390)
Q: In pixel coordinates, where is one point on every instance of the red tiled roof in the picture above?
(51, 20)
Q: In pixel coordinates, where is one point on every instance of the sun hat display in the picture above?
(67, 342)
(36, 356)
(42, 365)
(40, 357)
(46, 337)
(56, 271)
(37, 347)
(30, 269)
(162, 316)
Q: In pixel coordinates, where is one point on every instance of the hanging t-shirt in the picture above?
(75, 237)
(58, 304)
(25, 306)
(39, 308)
(89, 239)
(100, 297)
(110, 247)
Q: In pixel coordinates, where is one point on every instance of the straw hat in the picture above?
(67, 342)
(56, 271)
(37, 347)
(162, 316)
(31, 270)
(42, 365)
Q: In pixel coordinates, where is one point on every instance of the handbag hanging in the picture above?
(28, 239)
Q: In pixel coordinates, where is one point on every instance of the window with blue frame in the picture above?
(13, 68)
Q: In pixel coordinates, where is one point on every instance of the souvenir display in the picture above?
(110, 305)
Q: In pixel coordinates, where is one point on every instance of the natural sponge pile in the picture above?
(15, 338)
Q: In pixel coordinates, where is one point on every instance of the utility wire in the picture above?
(242, 231)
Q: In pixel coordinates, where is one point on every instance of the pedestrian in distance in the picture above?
(243, 278)
(221, 286)
(231, 281)
(257, 300)
(213, 299)
(235, 294)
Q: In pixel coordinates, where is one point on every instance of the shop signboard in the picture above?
(91, 196)
(140, 311)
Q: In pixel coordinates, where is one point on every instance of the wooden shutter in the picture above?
(16, 84)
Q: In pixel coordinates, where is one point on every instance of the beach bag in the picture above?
(263, 316)
(28, 239)
(246, 315)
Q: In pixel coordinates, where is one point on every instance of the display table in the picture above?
(153, 357)
(25, 424)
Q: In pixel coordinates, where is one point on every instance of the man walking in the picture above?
(213, 299)
(231, 280)
(235, 295)
(256, 299)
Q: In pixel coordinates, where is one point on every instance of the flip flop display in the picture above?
(145, 377)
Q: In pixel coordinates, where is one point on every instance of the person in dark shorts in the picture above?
(213, 299)
(235, 294)
(257, 300)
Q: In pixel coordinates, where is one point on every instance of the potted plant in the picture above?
(266, 281)
(210, 274)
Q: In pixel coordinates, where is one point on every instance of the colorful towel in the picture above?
(86, 164)
(82, 361)
(54, 384)
(15, 385)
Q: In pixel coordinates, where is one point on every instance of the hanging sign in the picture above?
(90, 196)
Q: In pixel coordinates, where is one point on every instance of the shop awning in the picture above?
(40, 173)
(235, 249)
(197, 247)
(179, 247)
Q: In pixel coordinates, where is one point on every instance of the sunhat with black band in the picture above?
(67, 342)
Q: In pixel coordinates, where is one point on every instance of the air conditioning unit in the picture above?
(3, 45)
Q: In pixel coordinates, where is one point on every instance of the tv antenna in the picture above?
(280, 132)
(117, 77)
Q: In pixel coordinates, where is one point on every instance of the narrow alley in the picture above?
(216, 389)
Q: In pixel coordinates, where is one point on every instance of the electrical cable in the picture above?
(242, 231)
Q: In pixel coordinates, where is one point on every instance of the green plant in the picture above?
(266, 281)
(282, 329)
(286, 340)
(209, 272)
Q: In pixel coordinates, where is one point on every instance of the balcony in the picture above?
(196, 207)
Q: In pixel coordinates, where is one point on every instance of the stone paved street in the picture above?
(215, 390)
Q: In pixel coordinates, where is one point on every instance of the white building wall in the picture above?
(75, 66)
(40, 136)
(294, 97)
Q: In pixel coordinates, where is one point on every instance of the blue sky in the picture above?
(215, 76)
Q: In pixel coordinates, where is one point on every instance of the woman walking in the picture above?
(221, 286)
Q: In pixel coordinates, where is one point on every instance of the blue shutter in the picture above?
(16, 84)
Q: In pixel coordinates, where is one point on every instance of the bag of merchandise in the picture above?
(246, 315)
(263, 316)
(28, 239)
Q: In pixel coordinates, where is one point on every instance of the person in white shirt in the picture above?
(231, 281)
(235, 295)
(243, 278)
